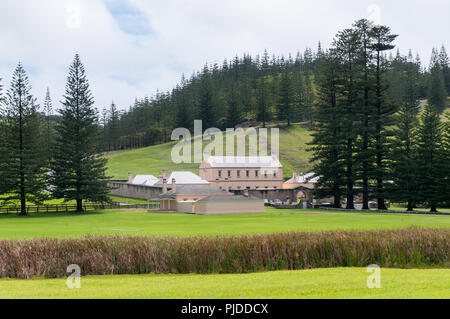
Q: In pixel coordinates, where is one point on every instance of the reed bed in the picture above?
(101, 255)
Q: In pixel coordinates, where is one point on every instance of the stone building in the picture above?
(239, 173)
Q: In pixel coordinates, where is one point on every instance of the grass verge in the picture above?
(317, 283)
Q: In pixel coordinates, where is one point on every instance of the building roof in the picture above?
(243, 161)
(195, 190)
(184, 178)
(304, 179)
(237, 198)
(148, 180)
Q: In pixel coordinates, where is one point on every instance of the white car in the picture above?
(277, 202)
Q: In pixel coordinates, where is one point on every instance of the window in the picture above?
(265, 174)
(256, 173)
(248, 173)
(248, 187)
(229, 173)
(274, 173)
(238, 174)
(220, 174)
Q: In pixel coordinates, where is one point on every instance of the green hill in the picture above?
(153, 159)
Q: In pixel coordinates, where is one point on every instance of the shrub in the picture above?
(237, 254)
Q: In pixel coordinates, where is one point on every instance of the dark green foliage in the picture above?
(444, 61)
(286, 98)
(50, 130)
(264, 112)
(207, 101)
(328, 140)
(404, 168)
(403, 149)
(432, 160)
(384, 109)
(22, 159)
(437, 93)
(233, 115)
(78, 170)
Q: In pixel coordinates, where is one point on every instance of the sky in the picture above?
(132, 48)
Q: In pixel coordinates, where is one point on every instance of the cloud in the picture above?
(133, 47)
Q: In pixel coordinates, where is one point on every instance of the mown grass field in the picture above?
(153, 159)
(139, 223)
(304, 284)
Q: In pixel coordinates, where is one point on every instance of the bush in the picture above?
(238, 254)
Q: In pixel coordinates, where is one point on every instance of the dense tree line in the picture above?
(368, 138)
(259, 90)
(41, 157)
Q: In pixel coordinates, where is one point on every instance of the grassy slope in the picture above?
(154, 159)
(141, 223)
(317, 283)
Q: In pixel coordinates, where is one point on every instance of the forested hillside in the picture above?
(256, 90)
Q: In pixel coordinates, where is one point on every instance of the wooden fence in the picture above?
(67, 208)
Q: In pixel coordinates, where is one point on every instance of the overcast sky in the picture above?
(131, 48)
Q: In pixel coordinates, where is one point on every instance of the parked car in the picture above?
(266, 202)
(277, 202)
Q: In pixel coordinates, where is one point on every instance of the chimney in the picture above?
(294, 175)
(174, 185)
(164, 174)
(130, 178)
(164, 191)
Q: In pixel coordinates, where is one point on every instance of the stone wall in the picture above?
(124, 189)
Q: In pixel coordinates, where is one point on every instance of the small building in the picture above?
(207, 200)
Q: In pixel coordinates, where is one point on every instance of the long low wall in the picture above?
(134, 191)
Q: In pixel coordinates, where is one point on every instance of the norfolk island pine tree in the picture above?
(78, 170)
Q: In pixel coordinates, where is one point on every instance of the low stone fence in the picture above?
(122, 188)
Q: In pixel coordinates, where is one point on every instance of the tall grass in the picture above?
(238, 254)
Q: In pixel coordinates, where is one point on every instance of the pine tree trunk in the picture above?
(410, 207)
(79, 205)
(350, 197)
(433, 209)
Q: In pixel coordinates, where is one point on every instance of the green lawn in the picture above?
(317, 283)
(127, 200)
(143, 223)
(153, 159)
